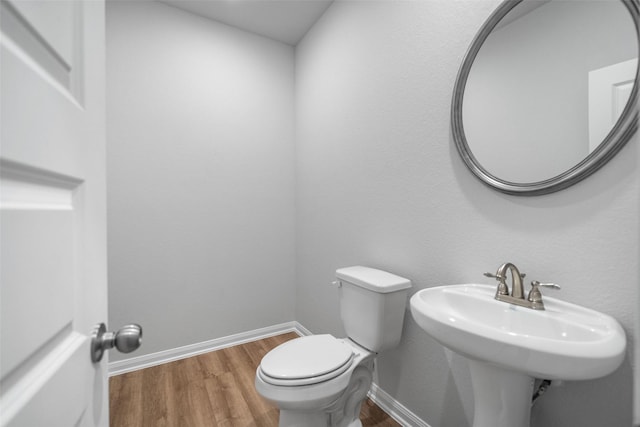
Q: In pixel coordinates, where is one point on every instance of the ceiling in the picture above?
(283, 20)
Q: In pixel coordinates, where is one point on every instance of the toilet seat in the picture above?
(306, 360)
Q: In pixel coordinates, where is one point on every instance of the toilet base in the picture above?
(344, 412)
(310, 419)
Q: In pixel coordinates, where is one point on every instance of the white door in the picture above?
(609, 91)
(53, 212)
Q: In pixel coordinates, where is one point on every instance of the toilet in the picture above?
(320, 380)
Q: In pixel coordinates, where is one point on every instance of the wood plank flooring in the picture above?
(212, 389)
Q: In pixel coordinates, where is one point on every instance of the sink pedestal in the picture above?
(502, 398)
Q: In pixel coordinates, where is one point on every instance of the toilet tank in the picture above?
(372, 306)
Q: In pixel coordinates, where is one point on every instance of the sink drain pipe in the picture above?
(542, 388)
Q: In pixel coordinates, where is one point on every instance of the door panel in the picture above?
(46, 35)
(609, 91)
(52, 212)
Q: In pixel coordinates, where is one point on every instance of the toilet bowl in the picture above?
(320, 380)
(317, 380)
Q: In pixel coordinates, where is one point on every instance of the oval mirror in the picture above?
(547, 92)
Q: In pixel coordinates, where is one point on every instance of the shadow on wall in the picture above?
(579, 394)
(593, 195)
(451, 407)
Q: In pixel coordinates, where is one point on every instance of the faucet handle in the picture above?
(502, 284)
(498, 277)
(535, 296)
(535, 283)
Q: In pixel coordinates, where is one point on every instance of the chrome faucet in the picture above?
(533, 300)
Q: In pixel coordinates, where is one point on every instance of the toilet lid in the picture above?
(312, 359)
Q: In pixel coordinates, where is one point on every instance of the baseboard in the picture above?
(395, 409)
(158, 358)
(301, 330)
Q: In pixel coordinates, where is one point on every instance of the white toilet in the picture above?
(320, 380)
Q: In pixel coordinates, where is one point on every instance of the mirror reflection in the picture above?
(548, 85)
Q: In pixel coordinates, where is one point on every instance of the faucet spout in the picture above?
(517, 289)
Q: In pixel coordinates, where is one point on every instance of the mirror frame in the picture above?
(618, 136)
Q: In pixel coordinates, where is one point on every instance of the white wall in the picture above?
(200, 176)
(380, 183)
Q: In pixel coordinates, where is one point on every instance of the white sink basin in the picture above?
(507, 346)
(564, 342)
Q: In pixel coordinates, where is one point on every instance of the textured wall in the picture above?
(200, 176)
(379, 183)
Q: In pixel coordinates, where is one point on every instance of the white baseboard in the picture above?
(386, 402)
(301, 330)
(158, 358)
(395, 409)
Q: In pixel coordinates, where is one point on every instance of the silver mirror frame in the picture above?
(614, 141)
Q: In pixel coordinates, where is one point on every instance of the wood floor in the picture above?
(212, 389)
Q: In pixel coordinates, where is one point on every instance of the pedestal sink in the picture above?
(508, 346)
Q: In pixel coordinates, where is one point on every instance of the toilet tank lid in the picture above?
(372, 279)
